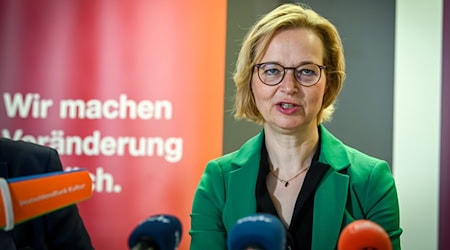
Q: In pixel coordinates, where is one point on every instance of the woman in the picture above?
(288, 74)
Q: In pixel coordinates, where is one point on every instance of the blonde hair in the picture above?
(256, 42)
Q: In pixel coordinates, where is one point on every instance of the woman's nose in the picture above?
(289, 83)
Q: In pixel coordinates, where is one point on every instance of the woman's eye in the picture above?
(272, 71)
(306, 72)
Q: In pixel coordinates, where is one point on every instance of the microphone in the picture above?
(364, 234)
(259, 231)
(27, 197)
(158, 232)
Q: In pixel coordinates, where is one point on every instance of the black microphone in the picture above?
(158, 232)
(259, 231)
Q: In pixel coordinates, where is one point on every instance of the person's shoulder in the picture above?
(358, 157)
(247, 154)
(24, 151)
(224, 161)
(19, 147)
(250, 148)
(364, 167)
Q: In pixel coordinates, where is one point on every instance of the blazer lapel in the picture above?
(331, 195)
(241, 199)
(329, 208)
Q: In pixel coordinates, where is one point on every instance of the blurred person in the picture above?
(61, 229)
(289, 72)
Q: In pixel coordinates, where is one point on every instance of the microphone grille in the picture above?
(260, 230)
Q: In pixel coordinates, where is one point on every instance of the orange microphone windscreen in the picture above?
(364, 234)
(35, 195)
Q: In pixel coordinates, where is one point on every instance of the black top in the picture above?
(299, 233)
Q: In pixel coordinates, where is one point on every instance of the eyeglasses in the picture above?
(273, 73)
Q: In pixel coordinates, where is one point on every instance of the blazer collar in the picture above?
(334, 152)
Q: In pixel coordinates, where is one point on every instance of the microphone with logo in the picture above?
(259, 231)
(364, 235)
(158, 232)
(27, 197)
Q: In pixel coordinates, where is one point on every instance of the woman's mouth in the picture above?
(287, 105)
(287, 108)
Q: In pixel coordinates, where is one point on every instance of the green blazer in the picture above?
(356, 186)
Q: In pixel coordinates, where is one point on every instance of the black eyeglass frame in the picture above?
(321, 68)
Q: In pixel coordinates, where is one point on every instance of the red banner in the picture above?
(130, 90)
